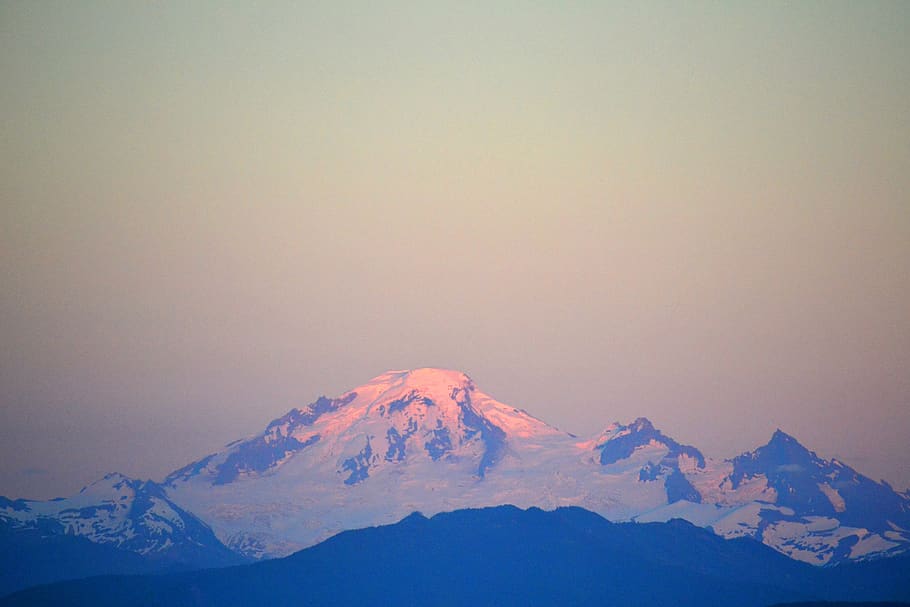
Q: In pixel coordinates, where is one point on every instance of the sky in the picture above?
(213, 212)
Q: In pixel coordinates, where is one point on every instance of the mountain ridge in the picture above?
(116, 524)
(430, 440)
(504, 556)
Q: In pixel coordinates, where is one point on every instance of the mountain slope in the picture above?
(30, 557)
(429, 440)
(808, 508)
(116, 524)
(810, 485)
(504, 556)
(407, 440)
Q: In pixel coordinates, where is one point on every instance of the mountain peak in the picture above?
(438, 374)
(423, 377)
(784, 443)
(784, 461)
(781, 436)
(430, 414)
(641, 424)
(618, 442)
(387, 392)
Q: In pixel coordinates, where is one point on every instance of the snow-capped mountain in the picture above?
(428, 440)
(811, 509)
(128, 514)
(812, 486)
(408, 440)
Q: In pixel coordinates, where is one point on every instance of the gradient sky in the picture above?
(213, 212)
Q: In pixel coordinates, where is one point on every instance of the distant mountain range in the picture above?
(429, 441)
(503, 557)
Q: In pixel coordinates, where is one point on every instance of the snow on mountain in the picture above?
(619, 443)
(398, 416)
(814, 486)
(811, 509)
(124, 513)
(423, 440)
(825, 510)
(429, 440)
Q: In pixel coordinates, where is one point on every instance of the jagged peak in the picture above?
(641, 424)
(781, 454)
(780, 436)
(619, 442)
(782, 442)
(617, 430)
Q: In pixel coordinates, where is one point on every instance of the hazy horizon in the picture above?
(214, 213)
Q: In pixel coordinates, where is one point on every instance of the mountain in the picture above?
(815, 510)
(424, 439)
(429, 440)
(504, 556)
(116, 524)
(810, 485)
(30, 557)
(823, 507)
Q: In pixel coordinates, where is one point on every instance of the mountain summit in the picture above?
(812, 486)
(405, 440)
(419, 415)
